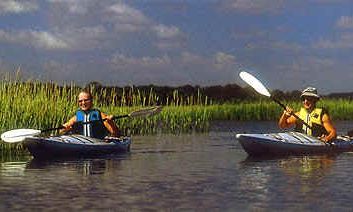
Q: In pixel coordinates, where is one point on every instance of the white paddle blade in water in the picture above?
(18, 135)
(254, 83)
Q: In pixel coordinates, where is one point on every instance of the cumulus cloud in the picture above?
(186, 68)
(37, 39)
(255, 6)
(168, 37)
(124, 18)
(344, 41)
(75, 25)
(84, 38)
(345, 22)
(273, 6)
(75, 6)
(166, 32)
(143, 62)
(330, 1)
(12, 6)
(224, 60)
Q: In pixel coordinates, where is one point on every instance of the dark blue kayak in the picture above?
(291, 143)
(75, 146)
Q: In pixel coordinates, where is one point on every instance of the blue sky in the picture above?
(288, 45)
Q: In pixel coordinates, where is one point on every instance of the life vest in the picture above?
(95, 129)
(313, 119)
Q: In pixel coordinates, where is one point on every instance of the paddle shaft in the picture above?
(137, 113)
(260, 88)
(88, 122)
(293, 114)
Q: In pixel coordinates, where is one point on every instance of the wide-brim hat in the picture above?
(310, 92)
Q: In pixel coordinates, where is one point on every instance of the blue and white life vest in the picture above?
(95, 128)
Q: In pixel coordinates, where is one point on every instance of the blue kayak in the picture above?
(75, 146)
(291, 143)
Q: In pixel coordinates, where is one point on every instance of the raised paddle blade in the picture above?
(254, 83)
(146, 112)
(260, 88)
(18, 135)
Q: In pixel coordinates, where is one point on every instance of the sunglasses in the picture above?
(308, 98)
(84, 100)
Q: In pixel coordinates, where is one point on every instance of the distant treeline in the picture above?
(188, 94)
(163, 95)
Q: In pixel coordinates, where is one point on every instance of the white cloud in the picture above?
(143, 62)
(108, 24)
(345, 41)
(90, 25)
(37, 39)
(186, 68)
(75, 6)
(83, 38)
(274, 6)
(255, 6)
(163, 31)
(330, 1)
(125, 18)
(345, 22)
(223, 60)
(12, 6)
(168, 37)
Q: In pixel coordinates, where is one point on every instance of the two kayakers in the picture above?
(100, 124)
(317, 118)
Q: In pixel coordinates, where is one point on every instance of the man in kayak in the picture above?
(100, 124)
(317, 118)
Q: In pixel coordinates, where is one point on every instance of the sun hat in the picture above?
(310, 92)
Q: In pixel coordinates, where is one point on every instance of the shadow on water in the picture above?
(258, 159)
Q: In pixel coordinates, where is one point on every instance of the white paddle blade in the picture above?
(18, 135)
(255, 83)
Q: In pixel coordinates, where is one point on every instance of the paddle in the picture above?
(19, 135)
(260, 88)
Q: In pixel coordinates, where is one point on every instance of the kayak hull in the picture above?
(75, 146)
(291, 143)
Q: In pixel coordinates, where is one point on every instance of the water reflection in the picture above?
(85, 167)
(307, 166)
(12, 169)
(293, 176)
(192, 172)
(13, 165)
(295, 166)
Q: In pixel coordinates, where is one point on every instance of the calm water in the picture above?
(193, 172)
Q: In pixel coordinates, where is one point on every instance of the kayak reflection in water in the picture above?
(317, 118)
(100, 124)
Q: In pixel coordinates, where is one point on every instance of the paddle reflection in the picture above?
(12, 169)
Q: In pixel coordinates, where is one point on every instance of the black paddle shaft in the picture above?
(293, 114)
(88, 122)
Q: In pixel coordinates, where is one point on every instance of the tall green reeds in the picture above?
(39, 105)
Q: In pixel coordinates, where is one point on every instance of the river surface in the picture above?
(188, 172)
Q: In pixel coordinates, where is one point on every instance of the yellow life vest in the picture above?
(313, 119)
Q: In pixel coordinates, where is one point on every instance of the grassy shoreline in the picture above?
(39, 106)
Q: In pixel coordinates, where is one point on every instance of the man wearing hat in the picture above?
(317, 118)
